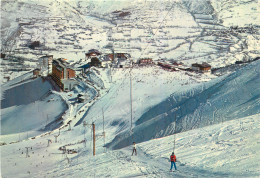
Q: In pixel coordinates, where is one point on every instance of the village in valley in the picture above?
(64, 73)
(84, 84)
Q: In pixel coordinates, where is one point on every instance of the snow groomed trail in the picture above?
(230, 97)
(217, 121)
(228, 149)
(217, 150)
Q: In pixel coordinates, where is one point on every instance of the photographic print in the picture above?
(130, 88)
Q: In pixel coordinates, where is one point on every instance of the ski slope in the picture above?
(160, 97)
(229, 149)
(218, 150)
(215, 119)
(28, 108)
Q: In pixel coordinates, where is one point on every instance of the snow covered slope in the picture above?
(237, 14)
(188, 31)
(229, 149)
(164, 102)
(28, 108)
(195, 105)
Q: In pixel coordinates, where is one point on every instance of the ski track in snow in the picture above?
(215, 151)
(152, 159)
(191, 32)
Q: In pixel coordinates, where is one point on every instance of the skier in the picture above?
(173, 160)
(134, 149)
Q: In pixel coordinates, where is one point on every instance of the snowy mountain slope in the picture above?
(154, 85)
(219, 100)
(189, 31)
(233, 14)
(27, 107)
(26, 93)
(195, 103)
(228, 149)
(222, 150)
(151, 85)
(151, 77)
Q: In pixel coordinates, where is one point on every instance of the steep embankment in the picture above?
(28, 105)
(231, 97)
(150, 86)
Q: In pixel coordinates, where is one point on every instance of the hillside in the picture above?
(174, 96)
(28, 108)
(225, 150)
(189, 31)
(154, 117)
(209, 119)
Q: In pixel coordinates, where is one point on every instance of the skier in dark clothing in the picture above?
(173, 160)
(134, 149)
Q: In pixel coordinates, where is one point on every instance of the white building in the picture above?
(45, 63)
(107, 61)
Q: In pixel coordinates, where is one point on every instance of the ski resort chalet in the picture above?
(93, 53)
(121, 60)
(107, 60)
(145, 61)
(117, 60)
(204, 67)
(63, 74)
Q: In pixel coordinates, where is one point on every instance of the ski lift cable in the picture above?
(157, 29)
(130, 71)
(174, 146)
(120, 85)
(107, 104)
(131, 131)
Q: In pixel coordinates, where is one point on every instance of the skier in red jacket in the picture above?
(173, 160)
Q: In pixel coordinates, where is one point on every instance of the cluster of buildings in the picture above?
(145, 61)
(97, 59)
(64, 74)
(174, 66)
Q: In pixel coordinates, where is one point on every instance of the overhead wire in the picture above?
(157, 29)
(131, 68)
